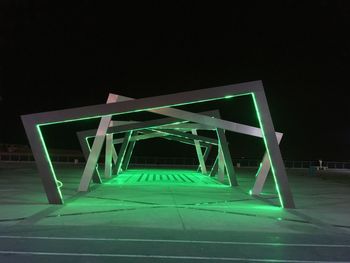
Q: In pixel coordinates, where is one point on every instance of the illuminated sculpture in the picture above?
(163, 105)
(163, 128)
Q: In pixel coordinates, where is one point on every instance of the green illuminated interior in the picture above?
(165, 177)
(267, 149)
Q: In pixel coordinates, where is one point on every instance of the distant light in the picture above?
(250, 192)
(228, 96)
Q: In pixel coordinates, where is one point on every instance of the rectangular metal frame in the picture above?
(34, 122)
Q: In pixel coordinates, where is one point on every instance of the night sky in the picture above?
(55, 56)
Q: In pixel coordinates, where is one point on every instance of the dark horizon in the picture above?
(56, 57)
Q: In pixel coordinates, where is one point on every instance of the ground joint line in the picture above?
(40, 253)
(179, 241)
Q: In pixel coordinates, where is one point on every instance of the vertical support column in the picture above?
(108, 156)
(128, 155)
(199, 153)
(43, 162)
(227, 157)
(263, 170)
(270, 140)
(96, 148)
(122, 151)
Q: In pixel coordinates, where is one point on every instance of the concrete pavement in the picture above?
(169, 219)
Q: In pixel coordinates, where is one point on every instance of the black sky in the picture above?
(55, 56)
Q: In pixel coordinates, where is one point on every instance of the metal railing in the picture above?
(170, 161)
(28, 157)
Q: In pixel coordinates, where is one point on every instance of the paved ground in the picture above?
(173, 216)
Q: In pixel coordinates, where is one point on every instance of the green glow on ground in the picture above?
(267, 149)
(164, 177)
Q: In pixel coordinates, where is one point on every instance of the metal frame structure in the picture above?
(160, 105)
(181, 137)
(164, 131)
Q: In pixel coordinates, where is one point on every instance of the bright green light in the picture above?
(47, 156)
(250, 192)
(267, 149)
(59, 183)
(170, 177)
(140, 110)
(71, 120)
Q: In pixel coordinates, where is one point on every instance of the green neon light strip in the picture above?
(267, 149)
(149, 109)
(258, 170)
(59, 184)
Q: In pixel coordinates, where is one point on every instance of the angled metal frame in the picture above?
(91, 169)
(263, 171)
(215, 166)
(160, 104)
(200, 154)
(143, 136)
(128, 154)
(85, 184)
(108, 156)
(205, 156)
(182, 137)
(177, 135)
(148, 134)
(185, 138)
(225, 157)
(85, 146)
